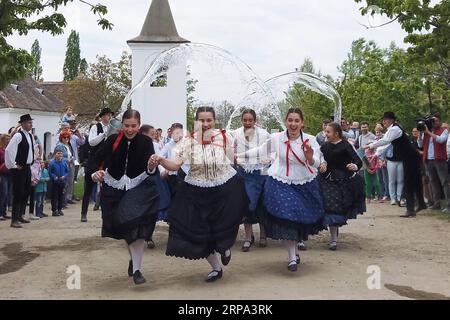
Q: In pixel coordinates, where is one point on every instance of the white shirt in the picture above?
(244, 142)
(448, 148)
(168, 153)
(392, 133)
(11, 149)
(299, 172)
(94, 138)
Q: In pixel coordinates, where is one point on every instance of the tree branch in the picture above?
(381, 25)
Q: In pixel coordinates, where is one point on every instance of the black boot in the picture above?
(138, 278)
(130, 268)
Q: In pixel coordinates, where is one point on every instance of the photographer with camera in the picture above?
(433, 140)
(405, 152)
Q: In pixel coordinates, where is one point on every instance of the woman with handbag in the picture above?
(129, 197)
(342, 187)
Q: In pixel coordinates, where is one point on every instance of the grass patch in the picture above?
(438, 214)
(78, 188)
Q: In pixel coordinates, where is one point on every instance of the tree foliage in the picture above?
(72, 61)
(113, 78)
(22, 16)
(375, 80)
(36, 71)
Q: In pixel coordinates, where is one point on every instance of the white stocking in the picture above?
(214, 261)
(137, 252)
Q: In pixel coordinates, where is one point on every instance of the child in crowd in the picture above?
(41, 191)
(58, 173)
(371, 176)
(68, 115)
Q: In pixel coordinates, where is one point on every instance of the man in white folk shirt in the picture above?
(97, 136)
(403, 151)
(19, 155)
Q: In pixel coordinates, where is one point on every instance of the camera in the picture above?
(426, 121)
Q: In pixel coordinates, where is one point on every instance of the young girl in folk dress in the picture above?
(342, 187)
(253, 171)
(292, 197)
(208, 207)
(129, 197)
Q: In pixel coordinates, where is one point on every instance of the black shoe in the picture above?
(130, 268)
(297, 256)
(55, 214)
(138, 278)
(7, 217)
(16, 224)
(150, 244)
(43, 215)
(225, 259)
(96, 208)
(2, 218)
(70, 202)
(60, 213)
(292, 265)
(246, 246)
(83, 218)
(408, 214)
(214, 275)
(23, 220)
(302, 246)
(422, 207)
(333, 246)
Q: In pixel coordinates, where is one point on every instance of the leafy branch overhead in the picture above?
(22, 16)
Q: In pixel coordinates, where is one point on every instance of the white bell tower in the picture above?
(159, 106)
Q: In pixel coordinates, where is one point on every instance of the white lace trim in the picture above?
(210, 183)
(125, 182)
(296, 182)
(249, 168)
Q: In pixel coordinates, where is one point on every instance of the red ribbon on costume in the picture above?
(289, 148)
(118, 139)
(222, 132)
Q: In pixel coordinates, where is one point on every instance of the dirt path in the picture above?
(413, 256)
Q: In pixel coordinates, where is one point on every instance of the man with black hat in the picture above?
(97, 136)
(19, 155)
(403, 151)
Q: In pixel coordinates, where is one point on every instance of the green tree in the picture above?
(21, 16)
(375, 80)
(72, 62)
(113, 78)
(315, 106)
(190, 99)
(36, 51)
(83, 67)
(427, 24)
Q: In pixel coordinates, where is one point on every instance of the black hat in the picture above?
(25, 118)
(105, 111)
(389, 115)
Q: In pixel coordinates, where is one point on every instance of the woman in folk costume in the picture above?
(292, 194)
(208, 207)
(129, 198)
(254, 173)
(342, 186)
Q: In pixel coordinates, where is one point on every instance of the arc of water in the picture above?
(312, 82)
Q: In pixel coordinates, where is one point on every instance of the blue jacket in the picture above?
(42, 185)
(58, 169)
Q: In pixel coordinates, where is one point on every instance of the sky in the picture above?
(272, 37)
